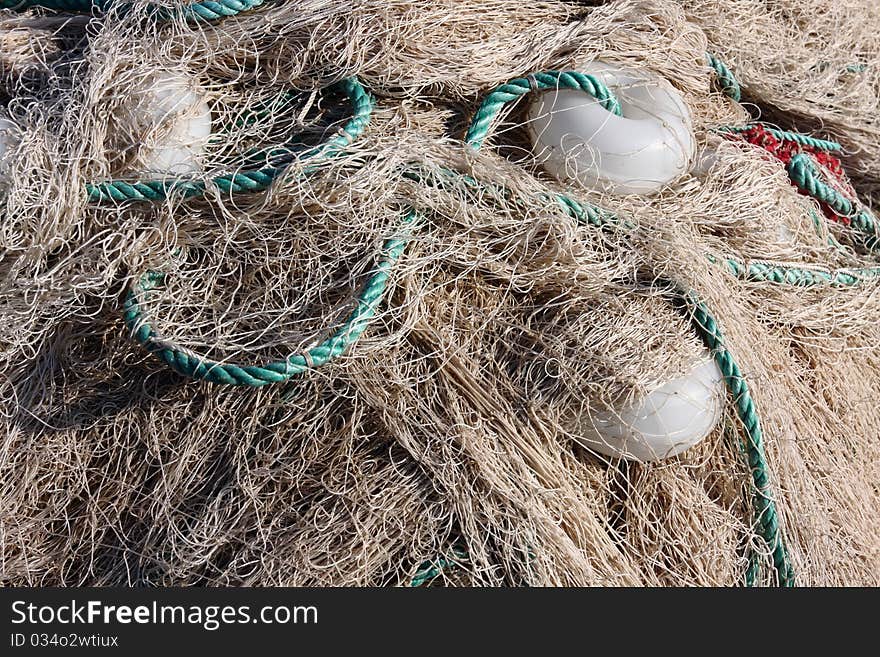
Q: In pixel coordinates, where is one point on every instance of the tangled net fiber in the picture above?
(438, 322)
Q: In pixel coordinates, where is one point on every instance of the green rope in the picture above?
(764, 505)
(193, 365)
(767, 272)
(255, 180)
(805, 140)
(515, 89)
(766, 517)
(203, 10)
(213, 10)
(596, 217)
(727, 81)
(804, 173)
(788, 135)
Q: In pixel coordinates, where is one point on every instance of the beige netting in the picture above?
(450, 427)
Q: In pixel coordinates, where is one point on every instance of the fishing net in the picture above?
(346, 348)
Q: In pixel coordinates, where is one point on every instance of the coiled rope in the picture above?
(255, 180)
(191, 364)
(515, 89)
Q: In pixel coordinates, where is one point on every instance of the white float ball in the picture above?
(173, 111)
(665, 422)
(646, 148)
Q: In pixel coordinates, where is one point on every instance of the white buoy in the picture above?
(173, 120)
(649, 146)
(665, 422)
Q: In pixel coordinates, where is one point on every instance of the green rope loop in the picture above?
(203, 10)
(191, 364)
(515, 89)
(256, 180)
(727, 81)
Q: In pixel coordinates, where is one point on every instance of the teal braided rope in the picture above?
(255, 180)
(195, 366)
(591, 215)
(767, 518)
(727, 81)
(788, 135)
(515, 89)
(805, 140)
(214, 10)
(767, 272)
(204, 10)
(804, 173)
